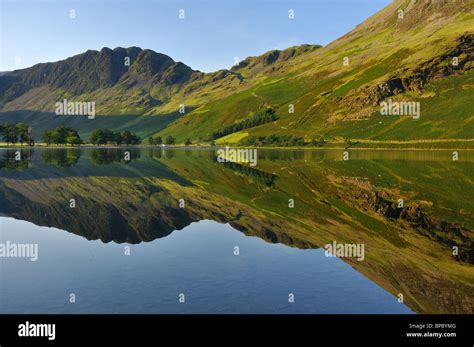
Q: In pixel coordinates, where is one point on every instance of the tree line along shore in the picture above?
(20, 134)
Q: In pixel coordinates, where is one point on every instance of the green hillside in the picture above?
(405, 52)
(403, 59)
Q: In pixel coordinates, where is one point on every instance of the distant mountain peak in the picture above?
(88, 71)
(273, 56)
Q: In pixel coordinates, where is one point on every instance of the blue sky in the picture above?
(211, 35)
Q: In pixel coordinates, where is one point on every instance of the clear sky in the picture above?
(211, 35)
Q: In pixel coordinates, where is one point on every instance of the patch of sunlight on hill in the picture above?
(232, 138)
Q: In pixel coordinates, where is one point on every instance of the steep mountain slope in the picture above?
(405, 52)
(109, 77)
(128, 81)
(407, 58)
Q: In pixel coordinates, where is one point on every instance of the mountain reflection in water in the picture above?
(408, 250)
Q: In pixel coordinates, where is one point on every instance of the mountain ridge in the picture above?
(387, 57)
(153, 75)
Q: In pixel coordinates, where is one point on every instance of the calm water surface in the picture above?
(129, 247)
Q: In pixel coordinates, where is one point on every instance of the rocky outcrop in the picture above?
(416, 80)
(91, 70)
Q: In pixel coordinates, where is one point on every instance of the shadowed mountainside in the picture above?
(334, 91)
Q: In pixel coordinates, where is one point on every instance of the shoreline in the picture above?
(204, 147)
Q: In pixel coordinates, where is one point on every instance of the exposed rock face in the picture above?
(91, 70)
(416, 80)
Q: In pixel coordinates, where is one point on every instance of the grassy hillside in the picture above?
(403, 59)
(143, 126)
(333, 91)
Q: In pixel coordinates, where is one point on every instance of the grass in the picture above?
(316, 83)
(232, 138)
(144, 126)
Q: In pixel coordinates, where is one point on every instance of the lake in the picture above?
(176, 231)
